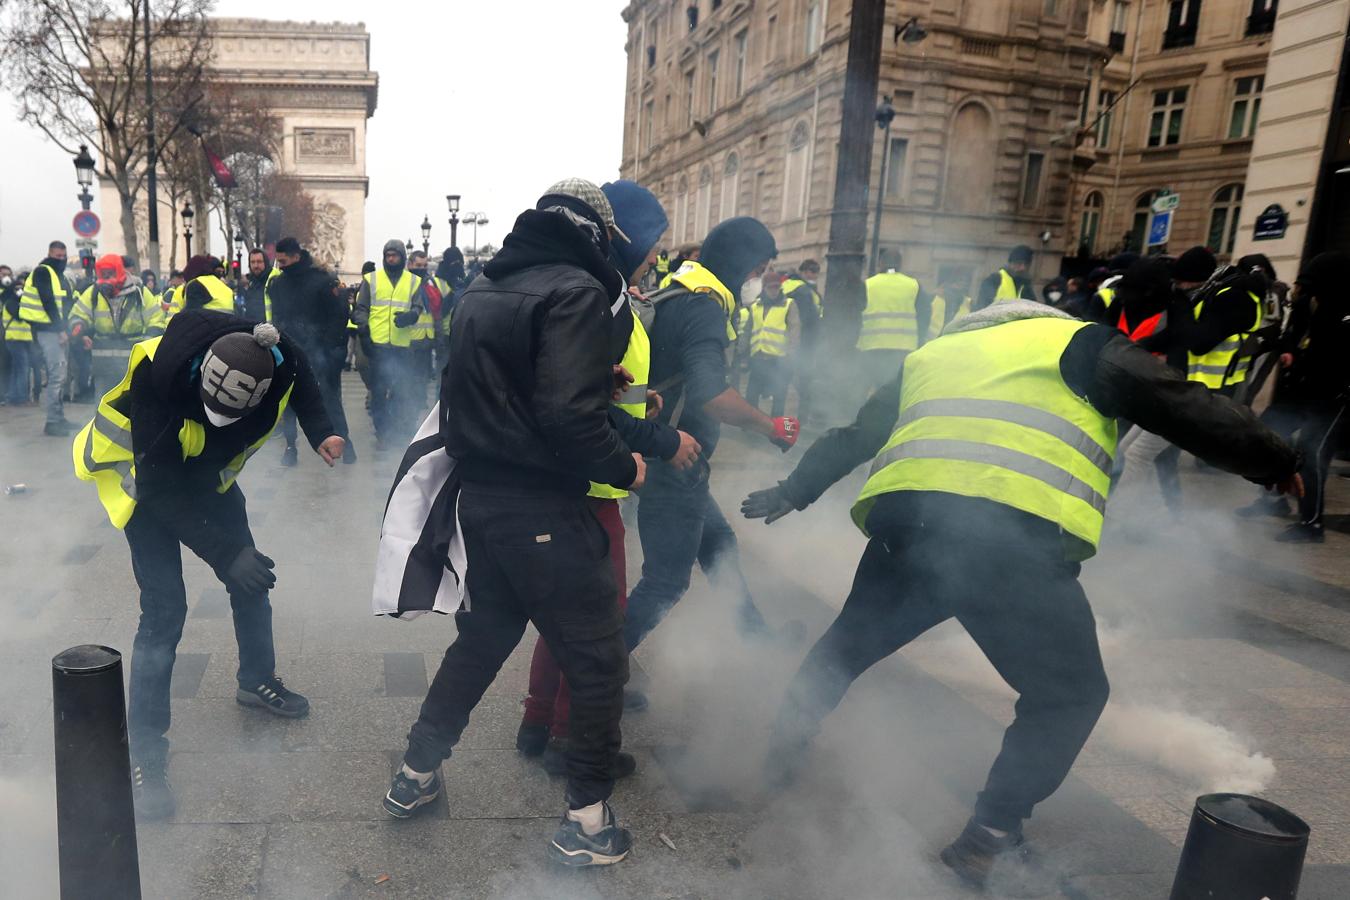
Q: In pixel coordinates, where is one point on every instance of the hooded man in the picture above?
(164, 450)
(256, 303)
(545, 727)
(111, 314)
(679, 522)
(42, 305)
(308, 308)
(1106, 280)
(1010, 282)
(449, 281)
(388, 305)
(18, 338)
(202, 287)
(525, 402)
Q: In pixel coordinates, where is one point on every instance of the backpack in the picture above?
(645, 308)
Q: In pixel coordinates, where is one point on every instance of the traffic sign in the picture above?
(1271, 224)
(86, 223)
(1160, 229)
(86, 243)
(1166, 201)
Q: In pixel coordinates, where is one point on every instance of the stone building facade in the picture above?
(315, 78)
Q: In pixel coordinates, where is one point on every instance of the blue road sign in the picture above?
(86, 223)
(1160, 229)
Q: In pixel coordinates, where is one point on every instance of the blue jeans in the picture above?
(17, 390)
(679, 523)
(54, 360)
(157, 563)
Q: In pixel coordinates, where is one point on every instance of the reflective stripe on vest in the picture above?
(985, 413)
(637, 359)
(888, 321)
(30, 301)
(16, 329)
(769, 329)
(1220, 367)
(1008, 288)
(388, 300)
(102, 451)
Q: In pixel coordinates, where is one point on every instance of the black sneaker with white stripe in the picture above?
(573, 847)
(150, 792)
(274, 697)
(407, 795)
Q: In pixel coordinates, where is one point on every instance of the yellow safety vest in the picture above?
(1212, 369)
(95, 310)
(267, 292)
(16, 329)
(985, 413)
(694, 277)
(1007, 288)
(662, 265)
(102, 451)
(447, 292)
(769, 329)
(888, 322)
(1108, 295)
(172, 301)
(791, 284)
(30, 301)
(940, 317)
(222, 296)
(425, 327)
(388, 300)
(637, 359)
(742, 321)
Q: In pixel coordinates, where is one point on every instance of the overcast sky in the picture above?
(507, 97)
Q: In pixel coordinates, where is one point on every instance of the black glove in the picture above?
(770, 505)
(251, 572)
(407, 318)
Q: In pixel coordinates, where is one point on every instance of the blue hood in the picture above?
(639, 215)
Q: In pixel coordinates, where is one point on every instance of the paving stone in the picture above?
(206, 861)
(188, 669)
(405, 675)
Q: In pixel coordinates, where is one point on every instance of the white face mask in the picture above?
(6, 280)
(751, 290)
(217, 419)
(1054, 296)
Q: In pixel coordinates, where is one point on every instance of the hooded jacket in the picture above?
(167, 390)
(526, 392)
(361, 310)
(1319, 333)
(307, 309)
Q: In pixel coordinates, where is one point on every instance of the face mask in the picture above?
(59, 265)
(1054, 296)
(751, 290)
(6, 280)
(217, 419)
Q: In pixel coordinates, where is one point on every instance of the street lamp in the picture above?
(452, 201)
(911, 32)
(408, 246)
(187, 215)
(84, 174)
(475, 219)
(884, 115)
(426, 234)
(239, 253)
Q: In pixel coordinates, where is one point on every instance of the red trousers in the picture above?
(548, 701)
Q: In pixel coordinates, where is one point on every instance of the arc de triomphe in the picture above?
(317, 81)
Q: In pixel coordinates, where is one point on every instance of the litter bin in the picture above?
(1241, 848)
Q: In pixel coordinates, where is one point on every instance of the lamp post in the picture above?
(452, 201)
(884, 115)
(187, 215)
(408, 246)
(475, 219)
(239, 253)
(426, 234)
(84, 174)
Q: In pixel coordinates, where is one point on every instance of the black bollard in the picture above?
(1241, 848)
(95, 819)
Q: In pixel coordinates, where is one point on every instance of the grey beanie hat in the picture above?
(237, 371)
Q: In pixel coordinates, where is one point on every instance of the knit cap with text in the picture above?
(236, 373)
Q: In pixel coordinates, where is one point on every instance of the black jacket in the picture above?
(526, 393)
(307, 308)
(989, 287)
(689, 343)
(255, 297)
(1119, 379)
(56, 312)
(166, 392)
(9, 299)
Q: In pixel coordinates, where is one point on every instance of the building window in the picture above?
(1223, 218)
(812, 26)
(1183, 19)
(771, 39)
(1120, 16)
(1105, 113)
(713, 59)
(648, 124)
(742, 43)
(896, 158)
(1262, 19)
(1031, 179)
(731, 186)
(1246, 106)
(1090, 223)
(1143, 215)
(689, 98)
(703, 210)
(1164, 125)
(794, 173)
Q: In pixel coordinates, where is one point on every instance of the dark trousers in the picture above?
(157, 563)
(328, 372)
(679, 523)
(1030, 617)
(769, 376)
(544, 559)
(1319, 427)
(19, 381)
(393, 392)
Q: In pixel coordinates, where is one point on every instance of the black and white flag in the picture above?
(421, 564)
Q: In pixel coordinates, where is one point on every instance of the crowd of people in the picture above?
(584, 364)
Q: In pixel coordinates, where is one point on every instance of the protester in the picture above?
(257, 305)
(1010, 282)
(775, 341)
(388, 305)
(110, 315)
(42, 305)
(18, 337)
(801, 289)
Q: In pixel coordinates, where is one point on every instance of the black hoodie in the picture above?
(167, 392)
(525, 396)
(308, 310)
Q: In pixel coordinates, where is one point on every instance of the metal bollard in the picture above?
(95, 819)
(1241, 847)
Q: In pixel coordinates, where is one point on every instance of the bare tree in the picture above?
(78, 70)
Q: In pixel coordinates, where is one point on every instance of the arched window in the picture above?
(704, 207)
(1223, 218)
(794, 173)
(971, 160)
(1091, 221)
(731, 186)
(1143, 215)
(682, 209)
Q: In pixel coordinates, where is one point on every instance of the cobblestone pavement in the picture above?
(1229, 655)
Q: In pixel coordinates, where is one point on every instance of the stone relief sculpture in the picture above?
(330, 226)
